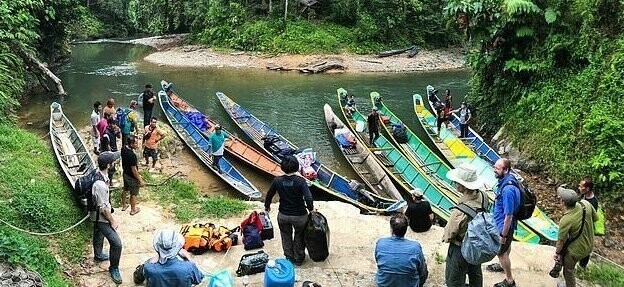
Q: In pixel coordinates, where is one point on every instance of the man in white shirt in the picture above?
(95, 119)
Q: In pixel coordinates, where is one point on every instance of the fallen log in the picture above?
(393, 52)
(33, 62)
(370, 61)
(322, 67)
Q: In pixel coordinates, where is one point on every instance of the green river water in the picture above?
(290, 102)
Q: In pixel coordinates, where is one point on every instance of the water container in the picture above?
(221, 279)
(279, 273)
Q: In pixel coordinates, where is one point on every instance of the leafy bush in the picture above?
(602, 274)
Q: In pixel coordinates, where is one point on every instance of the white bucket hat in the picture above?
(417, 192)
(167, 243)
(466, 175)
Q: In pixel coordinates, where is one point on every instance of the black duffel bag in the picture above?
(316, 236)
(252, 263)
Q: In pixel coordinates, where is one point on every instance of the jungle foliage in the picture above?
(551, 73)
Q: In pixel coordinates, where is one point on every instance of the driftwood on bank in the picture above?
(33, 62)
(312, 68)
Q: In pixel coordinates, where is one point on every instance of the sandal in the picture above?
(125, 207)
(133, 212)
(495, 267)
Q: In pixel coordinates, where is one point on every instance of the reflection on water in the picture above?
(291, 102)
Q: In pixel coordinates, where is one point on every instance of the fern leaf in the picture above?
(519, 7)
(550, 15)
(524, 31)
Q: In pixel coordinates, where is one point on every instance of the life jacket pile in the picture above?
(199, 238)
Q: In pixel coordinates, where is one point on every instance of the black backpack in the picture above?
(83, 189)
(528, 200)
(252, 263)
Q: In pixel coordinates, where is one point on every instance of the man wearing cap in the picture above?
(419, 212)
(130, 126)
(105, 224)
(576, 237)
(464, 118)
(505, 206)
(468, 184)
(217, 145)
(400, 261)
(374, 122)
(148, 104)
(167, 269)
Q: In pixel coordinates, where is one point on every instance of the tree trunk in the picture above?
(270, 6)
(35, 63)
(285, 11)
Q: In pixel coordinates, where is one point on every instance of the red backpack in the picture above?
(251, 228)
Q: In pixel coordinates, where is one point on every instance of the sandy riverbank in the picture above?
(351, 261)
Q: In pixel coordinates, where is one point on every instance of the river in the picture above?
(290, 102)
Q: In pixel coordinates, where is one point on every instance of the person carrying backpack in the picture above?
(468, 183)
(128, 122)
(101, 213)
(507, 202)
(295, 202)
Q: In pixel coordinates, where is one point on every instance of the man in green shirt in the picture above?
(217, 139)
(572, 247)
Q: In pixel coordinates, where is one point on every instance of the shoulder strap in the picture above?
(467, 210)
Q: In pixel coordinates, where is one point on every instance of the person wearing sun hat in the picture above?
(167, 269)
(573, 246)
(468, 184)
(419, 212)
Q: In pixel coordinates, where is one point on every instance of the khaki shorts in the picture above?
(131, 184)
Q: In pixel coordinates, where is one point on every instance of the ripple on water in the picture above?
(124, 69)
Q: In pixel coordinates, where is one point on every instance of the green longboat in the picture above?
(397, 166)
(457, 152)
(424, 158)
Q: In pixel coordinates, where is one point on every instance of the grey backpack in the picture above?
(482, 240)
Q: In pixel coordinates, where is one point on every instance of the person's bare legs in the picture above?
(124, 200)
(134, 200)
(506, 264)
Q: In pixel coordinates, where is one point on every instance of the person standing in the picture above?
(151, 137)
(166, 269)
(419, 212)
(468, 184)
(95, 119)
(131, 124)
(505, 206)
(110, 107)
(217, 146)
(148, 104)
(440, 117)
(105, 225)
(295, 200)
(131, 178)
(586, 187)
(110, 136)
(576, 233)
(102, 125)
(464, 119)
(374, 123)
(448, 106)
(400, 261)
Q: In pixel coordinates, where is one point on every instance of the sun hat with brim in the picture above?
(567, 195)
(466, 175)
(167, 244)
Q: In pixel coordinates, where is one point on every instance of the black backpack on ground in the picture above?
(400, 134)
(83, 189)
(252, 263)
(316, 236)
(528, 200)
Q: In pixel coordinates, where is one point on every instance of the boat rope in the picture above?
(335, 273)
(164, 181)
(48, 233)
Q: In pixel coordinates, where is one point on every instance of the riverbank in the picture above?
(198, 56)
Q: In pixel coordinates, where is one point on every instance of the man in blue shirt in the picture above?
(400, 261)
(217, 140)
(167, 270)
(506, 204)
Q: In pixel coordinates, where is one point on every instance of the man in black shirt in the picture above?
(131, 177)
(586, 187)
(148, 104)
(419, 212)
(373, 126)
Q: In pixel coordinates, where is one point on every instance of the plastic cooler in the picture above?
(279, 273)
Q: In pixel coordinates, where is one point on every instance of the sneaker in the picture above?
(115, 275)
(101, 258)
(505, 283)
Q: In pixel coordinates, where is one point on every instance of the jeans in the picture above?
(457, 268)
(101, 230)
(147, 117)
(464, 130)
(294, 247)
(215, 162)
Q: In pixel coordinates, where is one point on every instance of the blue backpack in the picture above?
(121, 117)
(251, 237)
(482, 240)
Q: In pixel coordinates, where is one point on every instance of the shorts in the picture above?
(148, 152)
(131, 184)
(505, 246)
(96, 141)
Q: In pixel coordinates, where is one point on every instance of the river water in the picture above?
(290, 102)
